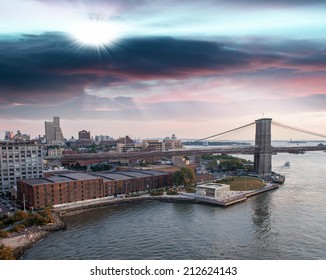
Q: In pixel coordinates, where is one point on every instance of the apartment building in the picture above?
(19, 160)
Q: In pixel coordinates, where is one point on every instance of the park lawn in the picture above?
(243, 183)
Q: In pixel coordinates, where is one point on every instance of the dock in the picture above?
(231, 197)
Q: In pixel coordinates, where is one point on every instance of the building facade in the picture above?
(172, 143)
(153, 145)
(125, 144)
(19, 161)
(73, 187)
(84, 137)
(53, 132)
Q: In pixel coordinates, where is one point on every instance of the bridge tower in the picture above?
(263, 139)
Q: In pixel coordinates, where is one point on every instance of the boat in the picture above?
(278, 179)
(287, 163)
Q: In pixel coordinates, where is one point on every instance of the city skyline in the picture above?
(194, 70)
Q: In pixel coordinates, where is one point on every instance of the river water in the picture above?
(287, 223)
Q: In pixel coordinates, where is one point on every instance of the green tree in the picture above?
(185, 176)
(212, 164)
(231, 165)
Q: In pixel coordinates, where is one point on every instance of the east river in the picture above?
(287, 223)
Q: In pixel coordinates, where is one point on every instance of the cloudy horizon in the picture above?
(183, 67)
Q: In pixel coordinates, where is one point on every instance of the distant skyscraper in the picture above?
(84, 135)
(9, 135)
(53, 132)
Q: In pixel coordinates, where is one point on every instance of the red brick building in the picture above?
(72, 187)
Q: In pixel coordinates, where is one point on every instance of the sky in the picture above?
(152, 68)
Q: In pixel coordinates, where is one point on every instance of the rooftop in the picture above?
(78, 176)
(57, 179)
(135, 174)
(36, 181)
(111, 176)
(211, 186)
(152, 172)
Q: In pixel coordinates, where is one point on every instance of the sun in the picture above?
(95, 33)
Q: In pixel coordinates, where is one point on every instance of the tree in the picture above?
(6, 253)
(20, 215)
(231, 165)
(185, 176)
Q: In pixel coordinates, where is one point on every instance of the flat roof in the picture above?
(57, 179)
(78, 176)
(152, 172)
(212, 186)
(36, 181)
(135, 174)
(111, 176)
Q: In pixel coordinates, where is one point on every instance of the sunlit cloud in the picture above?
(156, 66)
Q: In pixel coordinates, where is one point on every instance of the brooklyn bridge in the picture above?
(262, 148)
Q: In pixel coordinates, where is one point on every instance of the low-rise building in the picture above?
(212, 190)
(73, 187)
(55, 152)
(153, 145)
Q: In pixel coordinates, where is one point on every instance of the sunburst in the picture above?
(95, 33)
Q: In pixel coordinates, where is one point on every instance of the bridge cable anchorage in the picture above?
(298, 129)
(225, 132)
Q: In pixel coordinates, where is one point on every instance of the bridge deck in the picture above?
(186, 152)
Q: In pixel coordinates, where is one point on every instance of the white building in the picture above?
(19, 161)
(55, 152)
(212, 190)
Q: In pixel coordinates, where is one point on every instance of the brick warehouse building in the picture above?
(64, 188)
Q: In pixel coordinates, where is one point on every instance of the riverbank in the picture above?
(75, 208)
(20, 242)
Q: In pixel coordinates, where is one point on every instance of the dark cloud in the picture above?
(50, 68)
(82, 107)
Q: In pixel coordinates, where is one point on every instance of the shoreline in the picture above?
(76, 209)
(21, 242)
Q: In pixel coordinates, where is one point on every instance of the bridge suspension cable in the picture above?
(225, 132)
(298, 129)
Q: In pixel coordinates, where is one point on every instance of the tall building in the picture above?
(125, 144)
(19, 161)
(172, 143)
(84, 137)
(53, 132)
(21, 137)
(9, 135)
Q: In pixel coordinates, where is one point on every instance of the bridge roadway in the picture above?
(93, 158)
